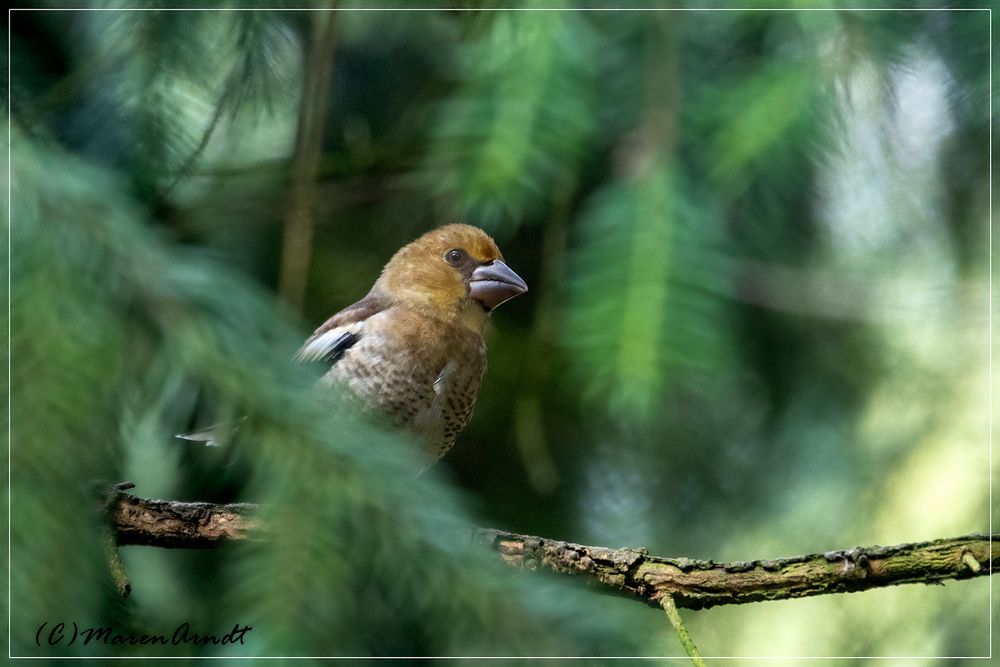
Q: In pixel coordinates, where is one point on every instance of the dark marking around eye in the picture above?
(456, 256)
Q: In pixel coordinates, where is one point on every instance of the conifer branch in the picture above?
(693, 584)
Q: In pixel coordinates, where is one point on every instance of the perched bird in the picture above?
(412, 349)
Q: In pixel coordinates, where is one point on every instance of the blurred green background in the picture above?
(758, 250)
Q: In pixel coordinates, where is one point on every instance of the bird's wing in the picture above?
(340, 332)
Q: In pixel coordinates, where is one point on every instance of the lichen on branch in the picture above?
(693, 584)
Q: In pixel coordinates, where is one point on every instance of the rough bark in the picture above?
(172, 524)
(693, 584)
(699, 584)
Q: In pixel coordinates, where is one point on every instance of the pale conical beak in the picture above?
(492, 284)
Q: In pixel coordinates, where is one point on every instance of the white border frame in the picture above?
(10, 636)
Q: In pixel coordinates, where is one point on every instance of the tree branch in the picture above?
(178, 525)
(693, 584)
(699, 584)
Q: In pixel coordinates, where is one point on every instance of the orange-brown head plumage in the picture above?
(444, 273)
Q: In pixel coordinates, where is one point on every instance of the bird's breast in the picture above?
(418, 375)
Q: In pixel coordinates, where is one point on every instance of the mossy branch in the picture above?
(699, 584)
(693, 584)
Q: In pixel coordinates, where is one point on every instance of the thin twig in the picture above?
(117, 568)
(667, 602)
(299, 218)
(188, 166)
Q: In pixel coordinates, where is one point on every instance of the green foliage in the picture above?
(661, 325)
(521, 115)
(756, 248)
(356, 544)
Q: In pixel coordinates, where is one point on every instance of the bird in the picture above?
(412, 350)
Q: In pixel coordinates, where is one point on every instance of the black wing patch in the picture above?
(327, 344)
(343, 343)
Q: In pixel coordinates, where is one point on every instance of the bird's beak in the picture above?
(492, 284)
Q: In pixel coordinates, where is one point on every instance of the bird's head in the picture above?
(454, 271)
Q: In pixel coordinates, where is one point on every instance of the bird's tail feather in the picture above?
(215, 435)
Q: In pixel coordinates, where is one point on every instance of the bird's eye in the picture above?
(455, 256)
